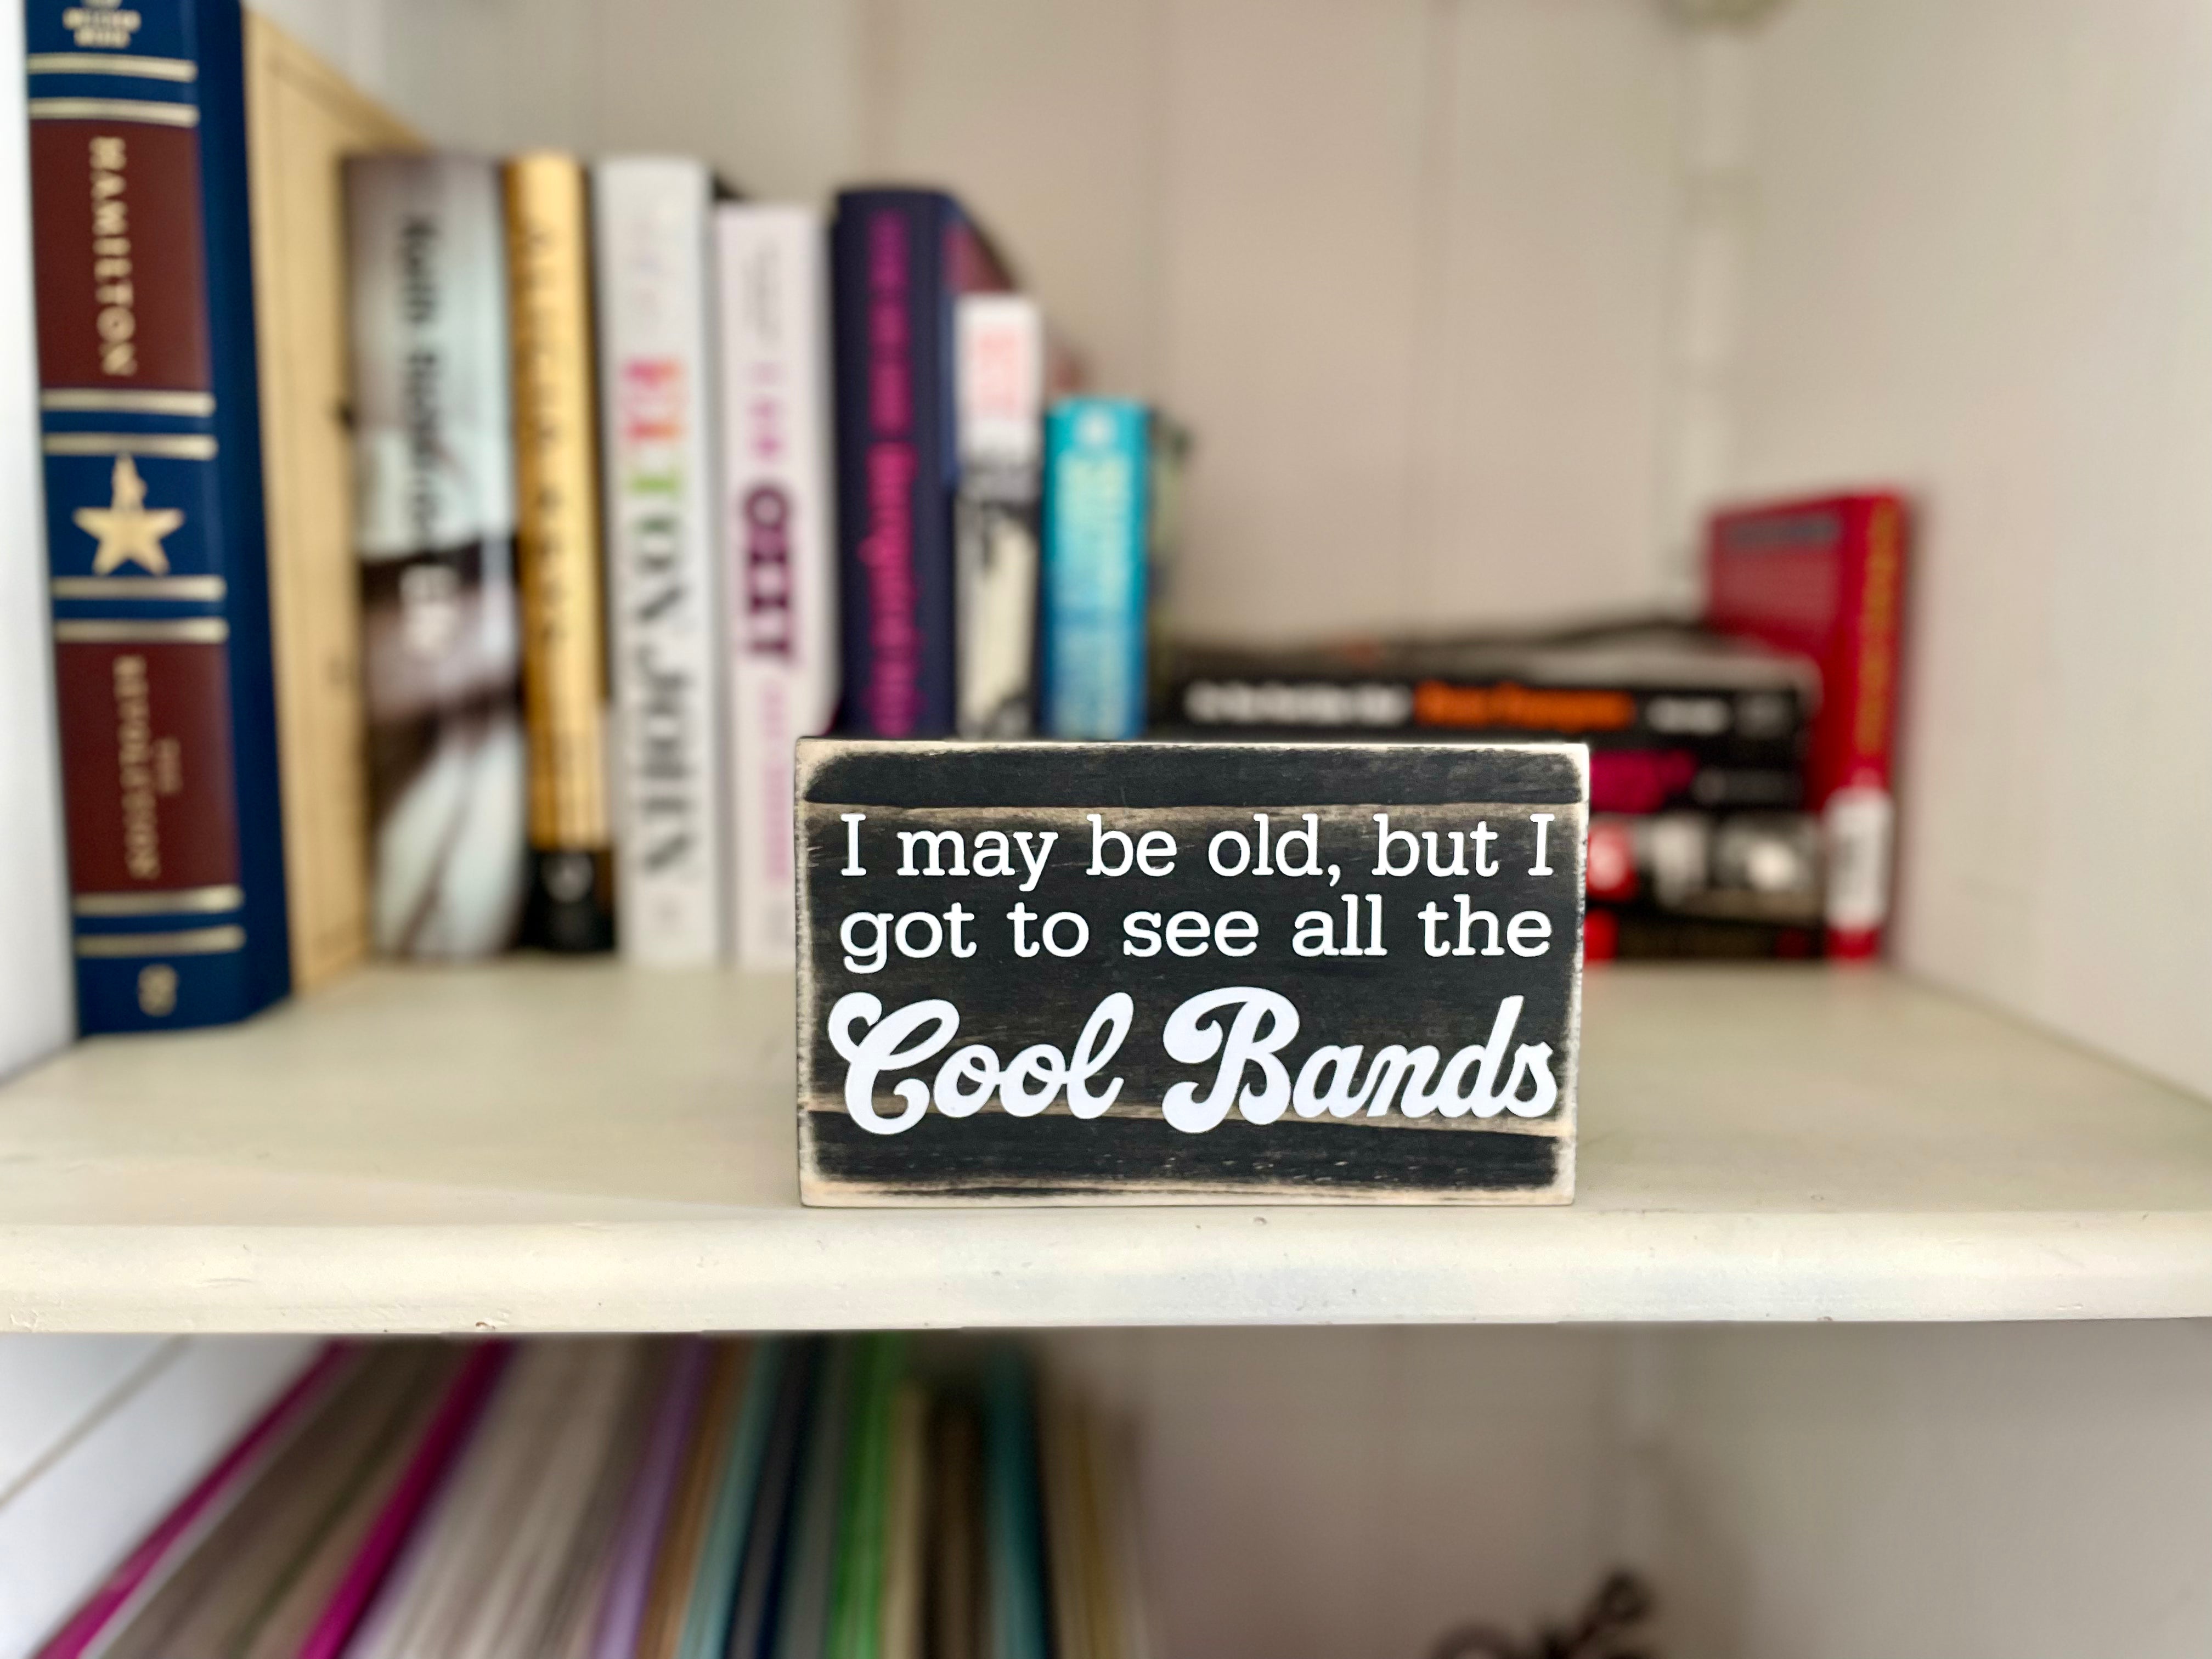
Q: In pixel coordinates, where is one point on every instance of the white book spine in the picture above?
(651, 224)
(782, 547)
(36, 1013)
(998, 381)
(434, 530)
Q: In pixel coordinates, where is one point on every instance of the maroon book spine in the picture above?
(150, 434)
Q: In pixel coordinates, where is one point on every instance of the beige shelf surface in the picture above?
(541, 1145)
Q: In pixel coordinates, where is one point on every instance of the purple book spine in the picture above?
(637, 1543)
(892, 321)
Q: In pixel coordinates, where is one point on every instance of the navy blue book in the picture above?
(898, 261)
(149, 410)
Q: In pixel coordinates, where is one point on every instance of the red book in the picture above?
(1825, 577)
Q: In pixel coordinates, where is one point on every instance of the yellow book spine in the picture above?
(558, 554)
(556, 477)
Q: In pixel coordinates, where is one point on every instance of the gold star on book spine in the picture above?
(127, 531)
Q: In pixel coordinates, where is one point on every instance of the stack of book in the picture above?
(446, 553)
(668, 1498)
(1699, 843)
(1741, 800)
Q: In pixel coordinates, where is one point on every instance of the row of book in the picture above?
(446, 553)
(849, 1498)
(645, 482)
(1741, 768)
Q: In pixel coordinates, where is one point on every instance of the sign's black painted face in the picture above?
(1166, 972)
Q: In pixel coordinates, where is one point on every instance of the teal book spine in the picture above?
(769, 1537)
(1016, 1619)
(1096, 586)
(802, 1619)
(707, 1622)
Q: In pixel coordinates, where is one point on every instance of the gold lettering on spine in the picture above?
(157, 989)
(138, 769)
(116, 321)
(564, 674)
(102, 23)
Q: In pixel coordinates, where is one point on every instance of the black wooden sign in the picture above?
(1161, 972)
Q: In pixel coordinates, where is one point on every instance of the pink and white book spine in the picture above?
(780, 543)
(651, 232)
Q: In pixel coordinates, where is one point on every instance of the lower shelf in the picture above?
(553, 1146)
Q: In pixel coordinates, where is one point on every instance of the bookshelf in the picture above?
(1475, 305)
(544, 1146)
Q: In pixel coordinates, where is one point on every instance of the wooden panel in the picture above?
(1393, 900)
(304, 119)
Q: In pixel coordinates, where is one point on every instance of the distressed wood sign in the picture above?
(1162, 972)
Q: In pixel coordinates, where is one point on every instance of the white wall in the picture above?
(1546, 348)
(99, 1436)
(1941, 1493)
(1318, 1494)
(353, 36)
(1979, 264)
(1404, 265)
(2037, 1492)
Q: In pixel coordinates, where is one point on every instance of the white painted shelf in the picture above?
(548, 1146)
